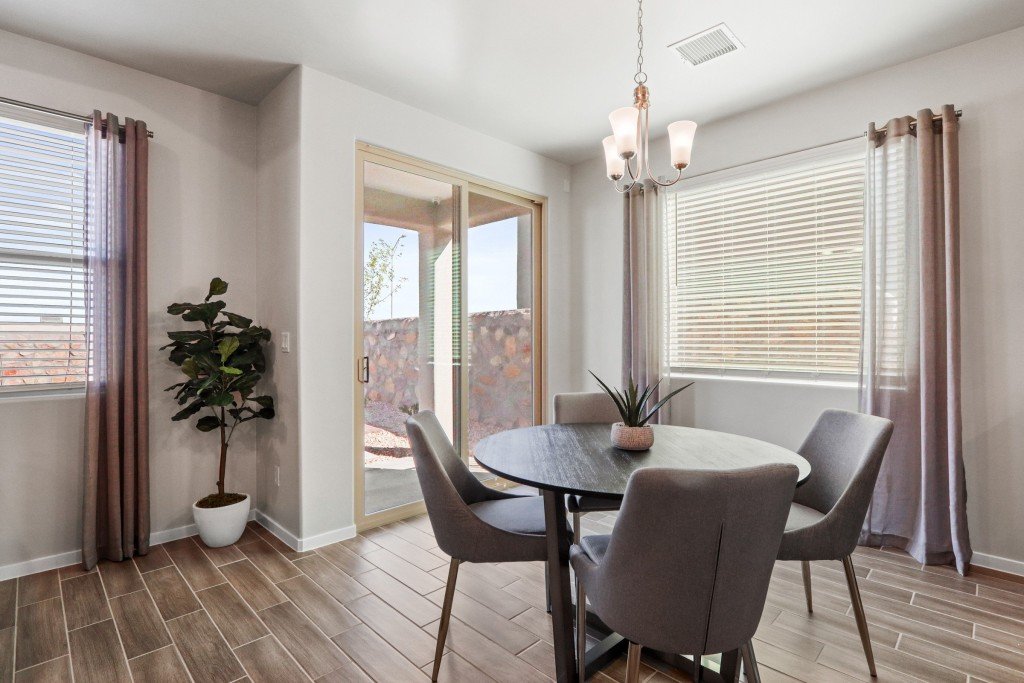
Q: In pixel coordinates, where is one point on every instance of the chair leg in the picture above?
(446, 615)
(806, 567)
(633, 663)
(577, 533)
(750, 663)
(858, 611)
(581, 630)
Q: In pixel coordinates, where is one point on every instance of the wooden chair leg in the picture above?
(806, 567)
(750, 663)
(446, 615)
(577, 532)
(858, 612)
(633, 663)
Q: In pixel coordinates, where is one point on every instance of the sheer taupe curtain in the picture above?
(116, 505)
(642, 287)
(910, 358)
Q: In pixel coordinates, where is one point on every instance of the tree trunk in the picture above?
(223, 455)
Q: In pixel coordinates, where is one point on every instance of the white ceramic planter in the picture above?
(632, 438)
(224, 525)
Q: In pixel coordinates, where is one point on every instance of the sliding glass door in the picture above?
(447, 302)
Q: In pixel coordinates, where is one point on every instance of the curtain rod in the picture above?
(913, 124)
(55, 112)
(937, 117)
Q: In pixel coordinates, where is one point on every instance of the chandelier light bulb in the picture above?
(624, 130)
(680, 140)
(614, 164)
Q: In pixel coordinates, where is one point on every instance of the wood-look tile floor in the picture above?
(367, 609)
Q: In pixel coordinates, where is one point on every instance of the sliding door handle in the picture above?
(363, 373)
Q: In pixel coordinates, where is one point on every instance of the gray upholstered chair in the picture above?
(586, 408)
(845, 451)
(471, 522)
(687, 565)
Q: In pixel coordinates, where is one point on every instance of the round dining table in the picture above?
(579, 459)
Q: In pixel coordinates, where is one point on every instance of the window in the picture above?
(42, 204)
(763, 268)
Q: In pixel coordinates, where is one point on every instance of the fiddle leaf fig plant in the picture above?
(632, 401)
(222, 361)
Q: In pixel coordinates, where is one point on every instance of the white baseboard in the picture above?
(1003, 564)
(42, 564)
(328, 537)
(307, 543)
(39, 564)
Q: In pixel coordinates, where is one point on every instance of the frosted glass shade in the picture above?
(624, 130)
(615, 165)
(680, 139)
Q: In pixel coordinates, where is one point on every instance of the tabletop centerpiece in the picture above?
(633, 433)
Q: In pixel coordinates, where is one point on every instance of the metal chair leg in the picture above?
(858, 611)
(806, 567)
(633, 663)
(750, 663)
(446, 615)
(581, 630)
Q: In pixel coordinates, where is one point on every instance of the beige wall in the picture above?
(276, 251)
(334, 116)
(202, 179)
(984, 79)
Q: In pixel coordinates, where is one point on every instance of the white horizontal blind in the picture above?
(764, 269)
(42, 205)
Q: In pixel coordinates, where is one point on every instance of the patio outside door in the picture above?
(447, 300)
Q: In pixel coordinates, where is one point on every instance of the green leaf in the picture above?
(229, 370)
(178, 309)
(188, 411)
(175, 386)
(217, 288)
(205, 313)
(226, 347)
(239, 321)
(185, 336)
(614, 396)
(188, 366)
(208, 423)
(219, 400)
(264, 401)
(662, 402)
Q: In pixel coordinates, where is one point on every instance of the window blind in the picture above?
(42, 205)
(764, 268)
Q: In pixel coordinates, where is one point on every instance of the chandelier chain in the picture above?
(641, 75)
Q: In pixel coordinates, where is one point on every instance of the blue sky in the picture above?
(491, 266)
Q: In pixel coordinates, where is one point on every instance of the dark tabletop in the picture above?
(579, 458)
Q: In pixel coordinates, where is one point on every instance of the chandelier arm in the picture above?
(647, 162)
(679, 174)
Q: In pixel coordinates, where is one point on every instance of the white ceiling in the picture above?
(542, 74)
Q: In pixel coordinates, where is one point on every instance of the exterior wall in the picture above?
(500, 367)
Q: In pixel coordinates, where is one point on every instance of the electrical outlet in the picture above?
(277, 475)
(286, 342)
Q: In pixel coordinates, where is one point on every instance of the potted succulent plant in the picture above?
(633, 433)
(222, 362)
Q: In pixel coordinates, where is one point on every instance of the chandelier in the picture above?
(631, 132)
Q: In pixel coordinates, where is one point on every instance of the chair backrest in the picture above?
(449, 488)
(845, 450)
(691, 555)
(594, 407)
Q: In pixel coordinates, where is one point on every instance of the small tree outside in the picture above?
(380, 281)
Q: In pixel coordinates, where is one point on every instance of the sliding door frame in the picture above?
(467, 184)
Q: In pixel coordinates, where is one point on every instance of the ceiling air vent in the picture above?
(707, 45)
